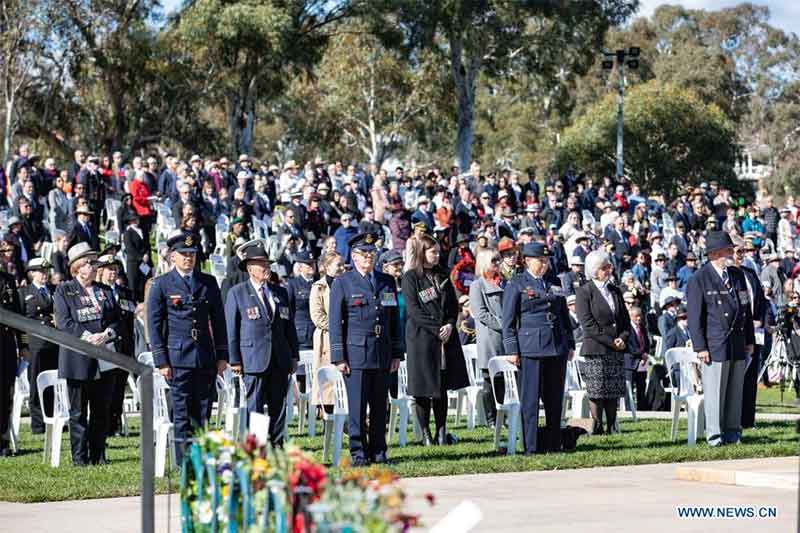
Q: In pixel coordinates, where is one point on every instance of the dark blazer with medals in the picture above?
(720, 320)
(76, 313)
(254, 340)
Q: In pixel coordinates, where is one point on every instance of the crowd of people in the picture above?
(374, 269)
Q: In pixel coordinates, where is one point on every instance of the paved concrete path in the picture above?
(616, 499)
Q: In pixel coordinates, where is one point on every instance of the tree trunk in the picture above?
(241, 117)
(7, 130)
(464, 77)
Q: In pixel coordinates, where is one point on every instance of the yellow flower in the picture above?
(260, 466)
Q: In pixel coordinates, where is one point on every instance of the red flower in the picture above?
(431, 498)
(299, 525)
(311, 475)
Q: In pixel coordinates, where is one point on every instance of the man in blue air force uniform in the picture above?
(721, 327)
(364, 329)
(262, 341)
(187, 337)
(538, 336)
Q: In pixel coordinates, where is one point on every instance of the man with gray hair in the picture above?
(721, 328)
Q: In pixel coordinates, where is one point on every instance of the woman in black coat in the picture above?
(435, 360)
(606, 328)
(86, 309)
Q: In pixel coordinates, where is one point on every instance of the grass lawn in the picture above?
(769, 400)
(25, 478)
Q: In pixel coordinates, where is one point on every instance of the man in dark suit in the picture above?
(188, 337)
(570, 281)
(95, 187)
(620, 238)
(364, 326)
(83, 230)
(721, 327)
(137, 251)
(758, 307)
(262, 340)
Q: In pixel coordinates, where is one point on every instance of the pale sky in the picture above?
(785, 14)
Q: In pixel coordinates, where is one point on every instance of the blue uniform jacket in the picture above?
(187, 328)
(719, 322)
(76, 314)
(364, 323)
(299, 295)
(535, 323)
(252, 339)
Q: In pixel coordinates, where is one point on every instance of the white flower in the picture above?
(204, 512)
(227, 475)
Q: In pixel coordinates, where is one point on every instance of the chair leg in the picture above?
(393, 408)
(631, 399)
(311, 418)
(414, 422)
(513, 420)
(498, 426)
(676, 413)
(48, 431)
(161, 449)
(480, 412)
(55, 450)
(326, 439)
(459, 401)
(402, 437)
(337, 439)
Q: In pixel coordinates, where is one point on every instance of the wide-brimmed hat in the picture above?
(82, 250)
(304, 257)
(718, 240)
(84, 210)
(290, 164)
(255, 252)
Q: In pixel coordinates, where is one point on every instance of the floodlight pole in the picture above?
(621, 121)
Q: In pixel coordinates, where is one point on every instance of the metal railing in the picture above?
(37, 329)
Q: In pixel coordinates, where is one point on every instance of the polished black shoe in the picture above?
(427, 438)
(597, 428)
(6, 452)
(381, 459)
(359, 462)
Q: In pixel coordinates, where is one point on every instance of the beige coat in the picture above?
(319, 304)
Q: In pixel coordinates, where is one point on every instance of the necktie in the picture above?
(188, 280)
(44, 292)
(86, 229)
(267, 304)
(726, 280)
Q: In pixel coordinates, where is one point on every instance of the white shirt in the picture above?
(603, 287)
(260, 293)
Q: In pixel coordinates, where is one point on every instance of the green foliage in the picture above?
(671, 137)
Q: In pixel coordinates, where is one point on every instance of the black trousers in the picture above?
(7, 380)
(89, 411)
(119, 380)
(192, 392)
(638, 381)
(269, 388)
(749, 391)
(367, 388)
(488, 397)
(41, 359)
(541, 378)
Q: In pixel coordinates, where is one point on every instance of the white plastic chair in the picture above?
(333, 422)
(260, 229)
(306, 410)
(130, 405)
(162, 425)
(218, 268)
(54, 425)
(684, 395)
(146, 358)
(471, 394)
(400, 409)
(574, 392)
(659, 345)
(510, 405)
(22, 392)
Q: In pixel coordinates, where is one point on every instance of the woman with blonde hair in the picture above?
(330, 266)
(486, 305)
(434, 357)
